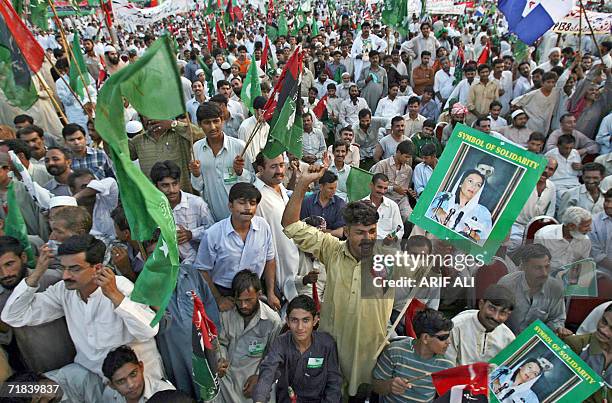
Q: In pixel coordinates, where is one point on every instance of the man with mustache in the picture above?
(191, 214)
(537, 294)
(479, 334)
(43, 347)
(240, 241)
(588, 195)
(113, 60)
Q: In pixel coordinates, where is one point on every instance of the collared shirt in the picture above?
(522, 85)
(425, 77)
(582, 141)
(430, 110)
(271, 208)
(548, 304)
(443, 82)
(389, 219)
(481, 95)
(389, 145)
(543, 204)
(422, 173)
(349, 112)
(388, 108)
(348, 317)
(332, 212)
(96, 326)
(412, 126)
(243, 346)
(223, 253)
(313, 143)
(218, 174)
(352, 155)
(313, 375)
(601, 237)
(107, 198)
(419, 140)
(563, 251)
(96, 161)
(192, 106)
(589, 349)
(470, 341)
(579, 196)
(232, 125)
(173, 145)
(401, 176)
(151, 387)
(565, 177)
(341, 190)
(399, 359)
(193, 214)
(58, 189)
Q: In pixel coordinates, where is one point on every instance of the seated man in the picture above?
(44, 347)
(408, 358)
(588, 195)
(325, 203)
(106, 321)
(567, 242)
(424, 170)
(390, 223)
(594, 349)
(320, 379)
(248, 328)
(537, 295)
(601, 240)
(127, 381)
(240, 241)
(479, 334)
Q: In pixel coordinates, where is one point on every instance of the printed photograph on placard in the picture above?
(476, 191)
(539, 368)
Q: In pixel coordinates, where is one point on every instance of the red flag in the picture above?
(203, 323)
(220, 36)
(32, 52)
(472, 377)
(320, 108)
(107, 8)
(191, 36)
(238, 14)
(414, 307)
(315, 296)
(230, 10)
(209, 40)
(264, 55)
(279, 93)
(484, 55)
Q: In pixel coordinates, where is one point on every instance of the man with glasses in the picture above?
(407, 359)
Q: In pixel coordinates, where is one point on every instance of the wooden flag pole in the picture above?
(57, 108)
(580, 28)
(251, 137)
(69, 49)
(586, 17)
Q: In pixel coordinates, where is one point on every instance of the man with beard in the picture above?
(537, 294)
(115, 321)
(588, 195)
(92, 60)
(542, 201)
(595, 350)
(601, 236)
(366, 132)
(344, 86)
(58, 162)
(43, 347)
(113, 61)
(523, 83)
(248, 327)
(350, 108)
(191, 214)
(479, 334)
(517, 132)
(368, 317)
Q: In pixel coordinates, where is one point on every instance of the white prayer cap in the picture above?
(198, 72)
(225, 66)
(346, 73)
(181, 63)
(550, 52)
(109, 48)
(59, 201)
(133, 127)
(518, 112)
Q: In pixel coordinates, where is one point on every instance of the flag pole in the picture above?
(251, 137)
(580, 28)
(61, 76)
(57, 108)
(68, 48)
(586, 17)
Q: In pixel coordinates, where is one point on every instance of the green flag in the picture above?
(18, 6)
(78, 68)
(38, 11)
(283, 28)
(520, 50)
(395, 14)
(357, 184)
(314, 30)
(286, 135)
(14, 225)
(153, 87)
(208, 75)
(251, 87)
(272, 32)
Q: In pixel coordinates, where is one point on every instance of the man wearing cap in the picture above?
(248, 126)
(133, 127)
(517, 132)
(113, 61)
(554, 59)
(457, 114)
(224, 72)
(344, 85)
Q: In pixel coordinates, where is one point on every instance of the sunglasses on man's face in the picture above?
(441, 337)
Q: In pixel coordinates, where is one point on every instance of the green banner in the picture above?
(539, 367)
(477, 190)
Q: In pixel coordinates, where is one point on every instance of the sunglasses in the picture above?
(441, 337)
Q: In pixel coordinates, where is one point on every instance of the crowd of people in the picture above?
(274, 247)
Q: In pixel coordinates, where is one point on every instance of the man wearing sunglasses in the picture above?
(405, 360)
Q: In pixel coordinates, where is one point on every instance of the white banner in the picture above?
(128, 13)
(444, 7)
(601, 23)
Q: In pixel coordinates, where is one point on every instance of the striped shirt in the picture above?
(400, 360)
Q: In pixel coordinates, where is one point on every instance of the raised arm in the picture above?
(294, 206)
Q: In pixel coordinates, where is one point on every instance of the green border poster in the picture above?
(477, 190)
(538, 367)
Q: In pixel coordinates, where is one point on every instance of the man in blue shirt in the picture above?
(326, 204)
(241, 241)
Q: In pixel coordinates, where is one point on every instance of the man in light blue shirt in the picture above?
(241, 241)
(199, 97)
(218, 164)
(423, 171)
(601, 236)
(603, 135)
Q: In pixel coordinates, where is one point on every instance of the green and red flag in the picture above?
(204, 356)
(20, 56)
(153, 87)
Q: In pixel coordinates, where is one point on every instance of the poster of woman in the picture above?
(476, 191)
